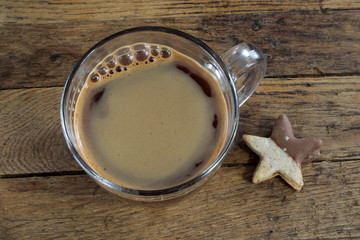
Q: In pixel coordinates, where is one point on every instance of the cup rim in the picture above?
(176, 188)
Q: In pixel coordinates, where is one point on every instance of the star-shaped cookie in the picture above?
(282, 154)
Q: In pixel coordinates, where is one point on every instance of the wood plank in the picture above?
(229, 206)
(58, 11)
(327, 108)
(296, 42)
(31, 136)
(31, 140)
(343, 4)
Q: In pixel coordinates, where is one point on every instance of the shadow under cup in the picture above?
(179, 41)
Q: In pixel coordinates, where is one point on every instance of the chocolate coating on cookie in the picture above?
(302, 150)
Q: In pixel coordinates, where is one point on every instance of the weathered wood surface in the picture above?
(328, 108)
(313, 51)
(60, 11)
(227, 207)
(343, 4)
(31, 137)
(309, 42)
(26, 12)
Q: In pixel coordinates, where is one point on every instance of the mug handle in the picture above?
(247, 67)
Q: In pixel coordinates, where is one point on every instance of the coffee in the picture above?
(149, 117)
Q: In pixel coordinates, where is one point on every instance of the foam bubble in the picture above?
(102, 70)
(125, 56)
(110, 62)
(155, 50)
(126, 59)
(118, 69)
(94, 77)
(141, 51)
(165, 52)
(141, 55)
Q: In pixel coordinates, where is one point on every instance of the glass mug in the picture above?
(238, 72)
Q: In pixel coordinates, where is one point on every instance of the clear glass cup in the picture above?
(238, 72)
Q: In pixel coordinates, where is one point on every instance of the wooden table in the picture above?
(313, 76)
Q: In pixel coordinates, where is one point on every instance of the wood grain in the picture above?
(327, 108)
(59, 11)
(296, 43)
(343, 4)
(31, 140)
(226, 207)
(30, 12)
(313, 53)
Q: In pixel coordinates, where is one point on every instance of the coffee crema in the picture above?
(149, 117)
